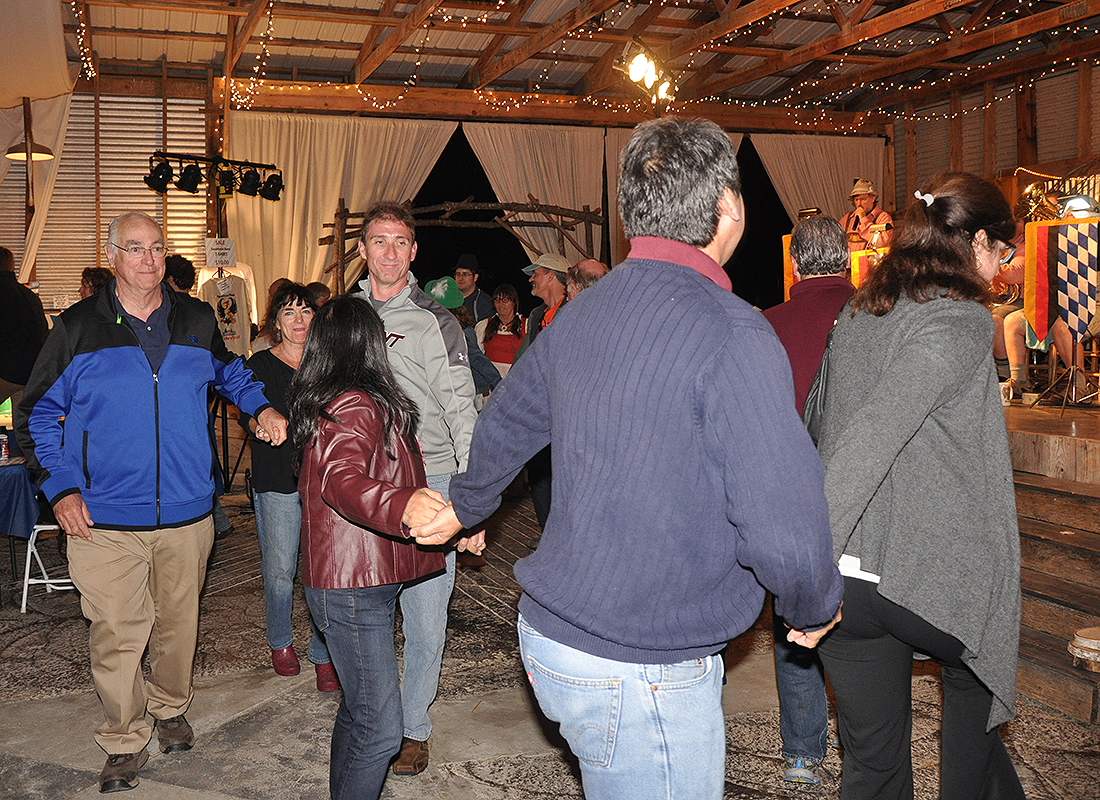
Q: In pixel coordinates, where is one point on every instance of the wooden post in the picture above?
(989, 133)
(956, 133)
(98, 208)
(889, 182)
(28, 185)
(338, 231)
(1084, 109)
(1027, 143)
(587, 232)
(910, 153)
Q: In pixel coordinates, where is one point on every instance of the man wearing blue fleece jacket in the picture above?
(684, 483)
(129, 473)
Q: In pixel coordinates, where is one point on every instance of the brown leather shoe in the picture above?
(120, 773)
(174, 735)
(413, 758)
(285, 661)
(326, 678)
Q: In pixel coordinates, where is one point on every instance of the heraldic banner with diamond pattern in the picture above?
(1060, 274)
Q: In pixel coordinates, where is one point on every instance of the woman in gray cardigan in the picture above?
(921, 502)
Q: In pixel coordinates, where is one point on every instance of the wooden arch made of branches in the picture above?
(572, 225)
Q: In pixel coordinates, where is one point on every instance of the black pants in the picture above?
(869, 660)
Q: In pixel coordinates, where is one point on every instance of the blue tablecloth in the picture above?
(18, 508)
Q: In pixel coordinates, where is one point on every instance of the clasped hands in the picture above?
(269, 426)
(433, 521)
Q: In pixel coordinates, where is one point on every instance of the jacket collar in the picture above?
(657, 249)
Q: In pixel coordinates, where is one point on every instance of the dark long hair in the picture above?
(287, 293)
(495, 324)
(932, 253)
(346, 350)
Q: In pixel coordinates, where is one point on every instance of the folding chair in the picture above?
(47, 525)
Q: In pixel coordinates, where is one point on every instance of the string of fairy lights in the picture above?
(87, 59)
(809, 114)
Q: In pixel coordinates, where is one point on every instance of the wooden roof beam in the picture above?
(957, 47)
(728, 21)
(873, 28)
(244, 30)
(473, 74)
(555, 31)
(1002, 70)
(413, 20)
(371, 39)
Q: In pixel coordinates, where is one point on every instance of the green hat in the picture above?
(445, 292)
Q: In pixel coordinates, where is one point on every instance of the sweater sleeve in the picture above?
(450, 380)
(46, 400)
(780, 514)
(346, 448)
(936, 349)
(513, 426)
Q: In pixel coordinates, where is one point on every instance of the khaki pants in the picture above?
(138, 589)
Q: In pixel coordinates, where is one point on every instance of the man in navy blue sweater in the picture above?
(684, 483)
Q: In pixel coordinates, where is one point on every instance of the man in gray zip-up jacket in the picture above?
(427, 352)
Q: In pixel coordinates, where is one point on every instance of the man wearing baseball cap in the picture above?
(548, 273)
(857, 222)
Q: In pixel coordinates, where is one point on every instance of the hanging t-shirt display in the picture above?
(229, 297)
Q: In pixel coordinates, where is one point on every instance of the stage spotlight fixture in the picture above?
(159, 176)
(190, 179)
(227, 182)
(272, 187)
(250, 183)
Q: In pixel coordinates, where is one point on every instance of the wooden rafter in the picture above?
(555, 31)
(413, 20)
(1083, 48)
(957, 47)
(240, 37)
(871, 29)
(493, 48)
(728, 21)
(371, 39)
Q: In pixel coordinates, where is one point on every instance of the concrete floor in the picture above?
(40, 757)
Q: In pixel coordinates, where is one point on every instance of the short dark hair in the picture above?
(319, 292)
(7, 260)
(96, 278)
(288, 293)
(819, 246)
(391, 211)
(673, 172)
(931, 253)
(181, 271)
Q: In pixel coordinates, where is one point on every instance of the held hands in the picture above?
(812, 638)
(271, 427)
(422, 507)
(441, 529)
(73, 517)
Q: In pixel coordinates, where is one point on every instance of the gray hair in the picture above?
(673, 172)
(819, 246)
(121, 219)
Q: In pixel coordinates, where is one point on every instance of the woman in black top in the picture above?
(275, 487)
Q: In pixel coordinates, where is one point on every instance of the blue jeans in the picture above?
(643, 731)
(424, 624)
(279, 526)
(358, 626)
(803, 708)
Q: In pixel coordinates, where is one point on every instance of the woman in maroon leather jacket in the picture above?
(361, 480)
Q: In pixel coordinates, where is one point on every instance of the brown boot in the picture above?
(120, 773)
(413, 758)
(174, 735)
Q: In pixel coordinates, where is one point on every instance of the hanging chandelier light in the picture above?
(647, 72)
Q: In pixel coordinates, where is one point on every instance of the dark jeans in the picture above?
(803, 706)
(358, 628)
(540, 478)
(869, 658)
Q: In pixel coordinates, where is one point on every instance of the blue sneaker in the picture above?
(802, 770)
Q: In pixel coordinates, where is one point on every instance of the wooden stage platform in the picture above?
(1056, 462)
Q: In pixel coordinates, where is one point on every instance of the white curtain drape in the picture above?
(322, 159)
(559, 165)
(50, 120)
(614, 143)
(818, 171)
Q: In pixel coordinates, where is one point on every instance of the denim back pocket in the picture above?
(587, 710)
